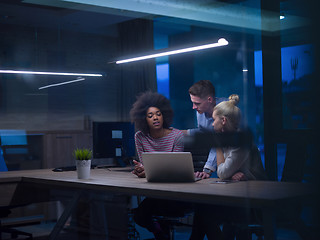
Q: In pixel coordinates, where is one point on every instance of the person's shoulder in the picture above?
(139, 134)
(177, 132)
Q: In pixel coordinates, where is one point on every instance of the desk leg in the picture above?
(64, 217)
(269, 224)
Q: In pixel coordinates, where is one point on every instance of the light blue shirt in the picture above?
(204, 121)
(205, 124)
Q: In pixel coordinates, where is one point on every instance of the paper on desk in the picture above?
(224, 181)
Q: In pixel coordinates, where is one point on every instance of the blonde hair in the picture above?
(230, 111)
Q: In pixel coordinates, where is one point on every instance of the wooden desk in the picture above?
(261, 194)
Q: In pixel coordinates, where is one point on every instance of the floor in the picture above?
(183, 233)
(42, 231)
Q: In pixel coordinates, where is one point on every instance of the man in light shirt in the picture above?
(202, 96)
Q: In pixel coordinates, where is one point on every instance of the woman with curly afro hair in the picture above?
(153, 115)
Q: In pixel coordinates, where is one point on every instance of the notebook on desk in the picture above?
(168, 166)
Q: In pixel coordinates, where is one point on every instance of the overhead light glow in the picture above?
(282, 17)
(63, 83)
(52, 73)
(245, 70)
(221, 42)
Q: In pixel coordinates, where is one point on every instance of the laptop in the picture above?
(168, 166)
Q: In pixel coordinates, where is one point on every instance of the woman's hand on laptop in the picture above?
(138, 169)
(202, 175)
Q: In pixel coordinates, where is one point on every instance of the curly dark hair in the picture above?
(144, 101)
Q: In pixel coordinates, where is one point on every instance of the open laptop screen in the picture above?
(168, 166)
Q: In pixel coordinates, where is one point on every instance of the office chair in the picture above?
(14, 146)
(170, 220)
(199, 156)
(174, 221)
(289, 215)
(14, 233)
(293, 171)
(253, 223)
(5, 211)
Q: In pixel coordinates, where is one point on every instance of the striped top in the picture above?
(173, 142)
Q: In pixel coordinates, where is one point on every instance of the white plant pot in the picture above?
(83, 168)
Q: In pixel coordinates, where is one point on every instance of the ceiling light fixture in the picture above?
(221, 42)
(63, 83)
(52, 73)
(282, 16)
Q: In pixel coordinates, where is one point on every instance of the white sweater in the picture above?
(238, 160)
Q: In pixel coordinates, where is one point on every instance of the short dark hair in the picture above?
(202, 89)
(143, 103)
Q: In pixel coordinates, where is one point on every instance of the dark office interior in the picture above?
(271, 62)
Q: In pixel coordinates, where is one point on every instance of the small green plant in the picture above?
(82, 154)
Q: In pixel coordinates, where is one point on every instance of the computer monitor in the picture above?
(113, 140)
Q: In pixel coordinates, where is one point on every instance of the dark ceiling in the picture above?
(101, 18)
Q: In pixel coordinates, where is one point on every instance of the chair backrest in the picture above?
(296, 156)
(3, 165)
(256, 167)
(14, 146)
(199, 156)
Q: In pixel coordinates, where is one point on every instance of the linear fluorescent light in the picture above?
(63, 83)
(52, 73)
(221, 42)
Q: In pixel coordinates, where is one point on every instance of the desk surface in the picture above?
(255, 193)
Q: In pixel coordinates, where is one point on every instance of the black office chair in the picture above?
(293, 171)
(14, 233)
(253, 223)
(170, 220)
(289, 215)
(14, 147)
(199, 156)
(5, 212)
(175, 220)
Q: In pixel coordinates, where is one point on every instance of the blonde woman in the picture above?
(232, 163)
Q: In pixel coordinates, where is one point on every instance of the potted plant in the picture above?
(83, 162)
